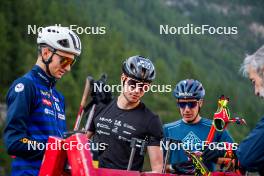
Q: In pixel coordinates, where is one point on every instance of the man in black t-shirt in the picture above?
(126, 117)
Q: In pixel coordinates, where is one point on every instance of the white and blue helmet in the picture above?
(189, 89)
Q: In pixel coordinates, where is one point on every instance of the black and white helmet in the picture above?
(60, 38)
(139, 68)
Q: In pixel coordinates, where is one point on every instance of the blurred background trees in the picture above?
(132, 27)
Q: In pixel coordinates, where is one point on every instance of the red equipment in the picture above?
(222, 118)
(54, 158)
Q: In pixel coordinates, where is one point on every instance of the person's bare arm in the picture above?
(89, 134)
(156, 158)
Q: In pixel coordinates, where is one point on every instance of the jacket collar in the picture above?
(43, 77)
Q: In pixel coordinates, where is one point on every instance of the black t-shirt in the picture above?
(116, 127)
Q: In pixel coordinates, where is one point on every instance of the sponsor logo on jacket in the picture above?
(57, 107)
(19, 87)
(43, 77)
(49, 112)
(46, 102)
(45, 93)
(61, 116)
(56, 99)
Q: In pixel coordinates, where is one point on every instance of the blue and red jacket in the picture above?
(35, 111)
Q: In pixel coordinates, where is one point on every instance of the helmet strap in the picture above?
(47, 62)
(196, 114)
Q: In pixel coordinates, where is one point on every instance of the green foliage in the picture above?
(132, 27)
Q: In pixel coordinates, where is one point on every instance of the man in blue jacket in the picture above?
(36, 110)
(192, 129)
(250, 152)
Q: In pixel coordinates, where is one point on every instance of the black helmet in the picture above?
(189, 88)
(139, 68)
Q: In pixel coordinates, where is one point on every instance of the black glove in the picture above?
(212, 155)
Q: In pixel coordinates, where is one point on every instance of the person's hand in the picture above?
(224, 151)
(212, 155)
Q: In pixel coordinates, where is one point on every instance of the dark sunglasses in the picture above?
(190, 104)
(136, 84)
(64, 61)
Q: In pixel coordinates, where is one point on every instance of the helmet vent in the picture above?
(196, 89)
(133, 69)
(182, 87)
(64, 43)
(143, 74)
(189, 88)
(60, 38)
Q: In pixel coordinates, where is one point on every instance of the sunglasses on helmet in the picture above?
(137, 84)
(190, 104)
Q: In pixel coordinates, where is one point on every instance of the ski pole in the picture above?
(166, 155)
(85, 95)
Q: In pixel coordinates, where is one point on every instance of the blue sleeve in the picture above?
(20, 102)
(251, 150)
